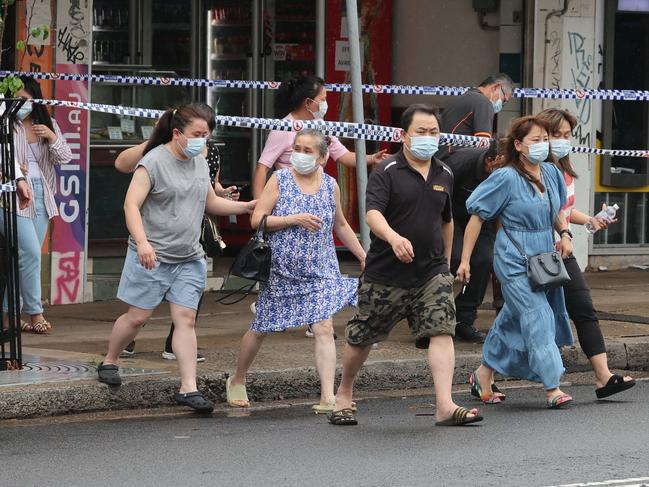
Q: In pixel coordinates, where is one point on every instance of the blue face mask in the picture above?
(303, 163)
(538, 152)
(194, 147)
(25, 110)
(560, 148)
(498, 105)
(423, 147)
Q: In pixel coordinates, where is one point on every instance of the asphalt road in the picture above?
(519, 444)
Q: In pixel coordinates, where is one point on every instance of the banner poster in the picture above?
(73, 36)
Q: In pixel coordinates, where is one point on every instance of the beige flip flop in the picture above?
(236, 393)
(323, 408)
(329, 408)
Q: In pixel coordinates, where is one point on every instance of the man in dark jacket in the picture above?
(471, 166)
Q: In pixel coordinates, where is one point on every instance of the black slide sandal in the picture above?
(614, 385)
(194, 400)
(343, 417)
(109, 374)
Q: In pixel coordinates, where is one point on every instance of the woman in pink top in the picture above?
(305, 98)
(579, 302)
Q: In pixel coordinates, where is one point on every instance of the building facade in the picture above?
(540, 43)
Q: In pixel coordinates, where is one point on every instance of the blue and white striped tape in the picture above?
(339, 129)
(9, 187)
(635, 95)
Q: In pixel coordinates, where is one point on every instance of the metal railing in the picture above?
(10, 340)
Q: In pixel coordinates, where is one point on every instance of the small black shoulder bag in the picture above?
(252, 262)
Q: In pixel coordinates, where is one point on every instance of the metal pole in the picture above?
(357, 107)
(320, 38)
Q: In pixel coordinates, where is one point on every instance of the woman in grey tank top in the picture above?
(164, 205)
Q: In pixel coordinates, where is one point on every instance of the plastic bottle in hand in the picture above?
(607, 214)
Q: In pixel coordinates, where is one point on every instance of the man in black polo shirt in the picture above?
(407, 268)
(471, 166)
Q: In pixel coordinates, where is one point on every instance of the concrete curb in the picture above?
(157, 391)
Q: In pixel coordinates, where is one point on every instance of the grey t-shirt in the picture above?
(173, 210)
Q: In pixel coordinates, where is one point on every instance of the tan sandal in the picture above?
(41, 327)
(237, 396)
(26, 327)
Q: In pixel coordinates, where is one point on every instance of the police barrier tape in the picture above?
(339, 129)
(9, 187)
(633, 95)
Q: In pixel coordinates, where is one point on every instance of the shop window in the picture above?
(632, 227)
(626, 67)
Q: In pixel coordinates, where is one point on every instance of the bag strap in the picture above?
(549, 197)
(518, 247)
(247, 289)
(261, 228)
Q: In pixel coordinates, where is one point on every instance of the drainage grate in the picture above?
(40, 370)
(60, 368)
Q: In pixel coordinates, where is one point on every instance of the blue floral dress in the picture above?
(305, 284)
(523, 341)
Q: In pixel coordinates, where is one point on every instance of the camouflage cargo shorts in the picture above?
(429, 310)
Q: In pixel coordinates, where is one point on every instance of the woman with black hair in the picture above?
(164, 206)
(526, 195)
(304, 98)
(39, 146)
(126, 162)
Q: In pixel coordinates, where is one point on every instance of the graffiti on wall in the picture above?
(581, 78)
(555, 59)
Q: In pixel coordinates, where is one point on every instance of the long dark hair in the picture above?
(173, 118)
(519, 129)
(553, 117)
(293, 91)
(39, 114)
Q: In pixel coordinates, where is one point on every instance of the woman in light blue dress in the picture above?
(305, 285)
(524, 340)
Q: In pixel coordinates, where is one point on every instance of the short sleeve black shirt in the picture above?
(470, 114)
(416, 210)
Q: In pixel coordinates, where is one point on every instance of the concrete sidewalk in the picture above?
(60, 376)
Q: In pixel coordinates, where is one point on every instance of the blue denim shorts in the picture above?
(181, 284)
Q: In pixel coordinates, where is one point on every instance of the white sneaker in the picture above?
(172, 356)
(253, 307)
(309, 332)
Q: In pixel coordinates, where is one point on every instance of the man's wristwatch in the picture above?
(21, 178)
(565, 231)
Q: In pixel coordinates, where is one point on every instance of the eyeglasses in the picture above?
(505, 99)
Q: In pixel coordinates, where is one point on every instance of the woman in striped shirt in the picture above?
(39, 146)
(579, 302)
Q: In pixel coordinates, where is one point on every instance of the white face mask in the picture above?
(303, 163)
(322, 110)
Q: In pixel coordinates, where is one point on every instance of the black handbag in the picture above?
(211, 240)
(252, 262)
(545, 270)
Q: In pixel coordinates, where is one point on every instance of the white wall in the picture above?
(440, 43)
(566, 56)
